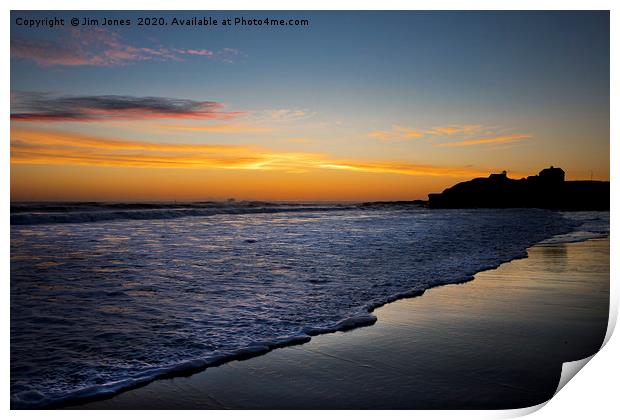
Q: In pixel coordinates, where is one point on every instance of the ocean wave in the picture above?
(156, 299)
(47, 213)
(588, 225)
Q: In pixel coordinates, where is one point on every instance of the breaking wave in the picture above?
(101, 307)
(44, 213)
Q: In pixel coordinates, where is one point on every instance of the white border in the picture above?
(592, 394)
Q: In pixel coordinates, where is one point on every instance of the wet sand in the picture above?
(498, 341)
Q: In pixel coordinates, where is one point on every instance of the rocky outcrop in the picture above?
(547, 190)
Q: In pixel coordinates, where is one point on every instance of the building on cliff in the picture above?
(548, 190)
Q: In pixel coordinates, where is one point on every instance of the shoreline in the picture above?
(363, 317)
(109, 401)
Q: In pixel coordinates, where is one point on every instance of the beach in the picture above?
(306, 209)
(101, 306)
(496, 342)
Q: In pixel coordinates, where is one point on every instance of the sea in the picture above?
(108, 296)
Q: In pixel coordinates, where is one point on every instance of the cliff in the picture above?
(546, 190)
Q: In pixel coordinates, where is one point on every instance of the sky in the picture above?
(352, 106)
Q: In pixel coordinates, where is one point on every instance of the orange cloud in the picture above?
(404, 168)
(30, 146)
(397, 133)
(41, 138)
(218, 128)
(489, 140)
(400, 133)
(298, 140)
(454, 129)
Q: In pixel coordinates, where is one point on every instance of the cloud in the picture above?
(100, 47)
(405, 168)
(34, 146)
(225, 54)
(285, 115)
(401, 133)
(300, 140)
(32, 106)
(200, 52)
(397, 133)
(489, 140)
(73, 140)
(218, 128)
(454, 129)
(461, 135)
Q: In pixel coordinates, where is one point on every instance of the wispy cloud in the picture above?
(284, 115)
(31, 106)
(34, 146)
(453, 135)
(403, 133)
(397, 133)
(226, 55)
(405, 168)
(488, 140)
(100, 47)
(300, 140)
(218, 128)
(454, 129)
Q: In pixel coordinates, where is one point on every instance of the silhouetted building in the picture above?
(552, 175)
(547, 190)
(499, 177)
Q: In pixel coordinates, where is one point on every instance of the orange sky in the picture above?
(59, 165)
(356, 106)
(52, 164)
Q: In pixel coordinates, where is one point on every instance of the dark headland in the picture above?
(548, 190)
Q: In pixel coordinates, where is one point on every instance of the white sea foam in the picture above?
(589, 225)
(100, 307)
